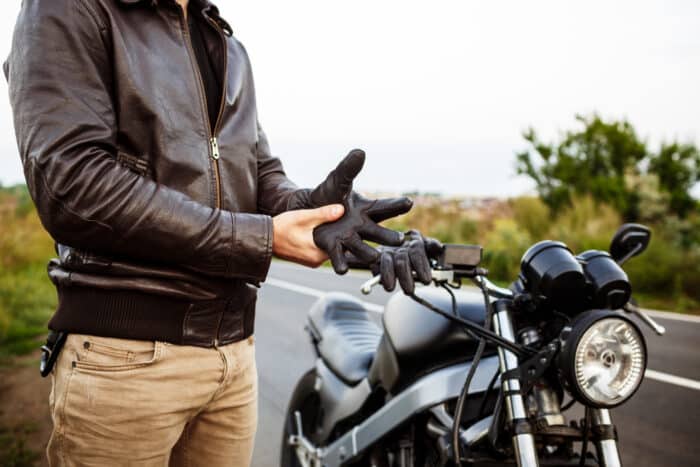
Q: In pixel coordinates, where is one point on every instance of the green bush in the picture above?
(530, 213)
(504, 247)
(585, 225)
(666, 276)
(27, 297)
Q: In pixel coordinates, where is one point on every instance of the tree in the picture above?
(677, 167)
(606, 160)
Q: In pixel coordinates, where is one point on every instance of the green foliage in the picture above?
(585, 225)
(504, 247)
(607, 160)
(677, 167)
(27, 298)
(666, 276)
(531, 214)
(593, 160)
(602, 173)
(13, 446)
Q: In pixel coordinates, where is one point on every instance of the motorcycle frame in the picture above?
(429, 391)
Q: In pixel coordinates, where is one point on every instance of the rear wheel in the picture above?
(306, 401)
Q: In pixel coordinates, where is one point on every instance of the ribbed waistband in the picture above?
(136, 315)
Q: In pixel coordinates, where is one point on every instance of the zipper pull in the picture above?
(214, 148)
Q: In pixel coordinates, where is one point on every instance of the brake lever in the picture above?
(366, 288)
(646, 319)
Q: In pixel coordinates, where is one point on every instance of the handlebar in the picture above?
(448, 276)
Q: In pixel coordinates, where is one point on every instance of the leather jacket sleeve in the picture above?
(274, 188)
(60, 80)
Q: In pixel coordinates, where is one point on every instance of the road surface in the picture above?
(658, 427)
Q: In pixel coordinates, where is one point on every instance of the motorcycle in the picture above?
(475, 376)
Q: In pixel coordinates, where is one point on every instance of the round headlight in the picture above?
(603, 358)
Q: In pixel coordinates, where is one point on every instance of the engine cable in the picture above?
(484, 401)
(584, 441)
(485, 333)
(459, 409)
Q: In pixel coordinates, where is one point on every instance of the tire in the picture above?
(306, 400)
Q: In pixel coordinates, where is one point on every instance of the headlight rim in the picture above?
(566, 360)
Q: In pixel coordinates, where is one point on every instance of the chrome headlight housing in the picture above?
(603, 358)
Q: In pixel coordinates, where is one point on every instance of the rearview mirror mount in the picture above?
(629, 241)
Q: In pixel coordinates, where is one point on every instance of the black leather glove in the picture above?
(401, 262)
(361, 218)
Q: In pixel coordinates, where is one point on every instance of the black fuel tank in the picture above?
(417, 340)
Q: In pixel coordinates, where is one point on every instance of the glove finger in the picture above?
(386, 208)
(338, 184)
(340, 265)
(402, 266)
(420, 263)
(387, 275)
(376, 233)
(353, 261)
(361, 250)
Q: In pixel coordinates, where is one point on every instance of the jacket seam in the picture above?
(234, 246)
(61, 205)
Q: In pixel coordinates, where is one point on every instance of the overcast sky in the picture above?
(439, 92)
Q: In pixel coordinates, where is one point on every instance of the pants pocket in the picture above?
(112, 354)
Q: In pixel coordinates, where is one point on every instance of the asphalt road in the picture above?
(658, 427)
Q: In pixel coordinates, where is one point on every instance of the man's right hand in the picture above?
(293, 237)
(362, 215)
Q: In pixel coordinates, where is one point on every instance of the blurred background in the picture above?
(507, 122)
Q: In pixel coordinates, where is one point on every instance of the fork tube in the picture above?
(606, 438)
(523, 441)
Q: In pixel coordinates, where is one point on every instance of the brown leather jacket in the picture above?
(160, 225)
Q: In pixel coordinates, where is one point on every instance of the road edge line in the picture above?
(672, 379)
(672, 316)
(302, 289)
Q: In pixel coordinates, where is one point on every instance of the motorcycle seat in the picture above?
(346, 337)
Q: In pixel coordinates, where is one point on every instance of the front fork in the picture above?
(523, 440)
(516, 413)
(606, 439)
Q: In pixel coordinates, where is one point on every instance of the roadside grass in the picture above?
(665, 277)
(13, 446)
(27, 299)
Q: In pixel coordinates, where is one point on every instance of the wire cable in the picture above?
(482, 407)
(491, 336)
(459, 409)
(584, 441)
(568, 405)
(455, 311)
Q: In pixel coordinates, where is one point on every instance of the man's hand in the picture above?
(293, 237)
(401, 262)
(362, 216)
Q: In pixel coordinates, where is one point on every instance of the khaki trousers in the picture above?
(126, 402)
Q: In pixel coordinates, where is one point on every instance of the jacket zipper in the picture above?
(212, 135)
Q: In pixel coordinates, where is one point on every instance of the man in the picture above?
(138, 131)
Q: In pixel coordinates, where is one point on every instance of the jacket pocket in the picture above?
(135, 164)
